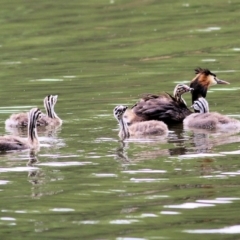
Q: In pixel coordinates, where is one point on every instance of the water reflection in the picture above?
(145, 150)
(182, 143)
(41, 178)
(204, 141)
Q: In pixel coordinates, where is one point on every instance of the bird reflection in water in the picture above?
(179, 143)
(149, 148)
(40, 178)
(204, 141)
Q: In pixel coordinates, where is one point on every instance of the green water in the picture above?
(84, 183)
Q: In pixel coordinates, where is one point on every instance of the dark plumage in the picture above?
(164, 107)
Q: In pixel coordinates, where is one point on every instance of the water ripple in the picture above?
(170, 213)
(208, 60)
(87, 222)
(202, 203)
(62, 210)
(226, 230)
(3, 182)
(215, 201)
(105, 174)
(63, 164)
(130, 238)
(209, 29)
(197, 155)
(8, 219)
(123, 221)
(144, 171)
(189, 205)
(46, 80)
(18, 169)
(139, 180)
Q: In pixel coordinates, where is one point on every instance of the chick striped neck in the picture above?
(118, 113)
(33, 116)
(179, 90)
(201, 105)
(49, 103)
(124, 131)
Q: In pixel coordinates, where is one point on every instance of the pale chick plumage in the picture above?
(11, 143)
(138, 129)
(203, 119)
(48, 119)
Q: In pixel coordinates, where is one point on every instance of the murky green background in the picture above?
(97, 54)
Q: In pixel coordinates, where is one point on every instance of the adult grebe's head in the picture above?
(203, 80)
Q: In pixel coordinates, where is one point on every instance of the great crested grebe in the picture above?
(203, 80)
(164, 107)
(10, 142)
(49, 119)
(203, 119)
(138, 129)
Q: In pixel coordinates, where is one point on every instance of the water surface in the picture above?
(86, 184)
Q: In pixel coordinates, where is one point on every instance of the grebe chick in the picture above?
(201, 83)
(51, 118)
(203, 119)
(10, 142)
(164, 107)
(138, 129)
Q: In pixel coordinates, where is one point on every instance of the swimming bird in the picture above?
(138, 129)
(203, 119)
(203, 80)
(49, 119)
(164, 107)
(10, 142)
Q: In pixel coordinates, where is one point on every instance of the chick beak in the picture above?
(219, 81)
(188, 89)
